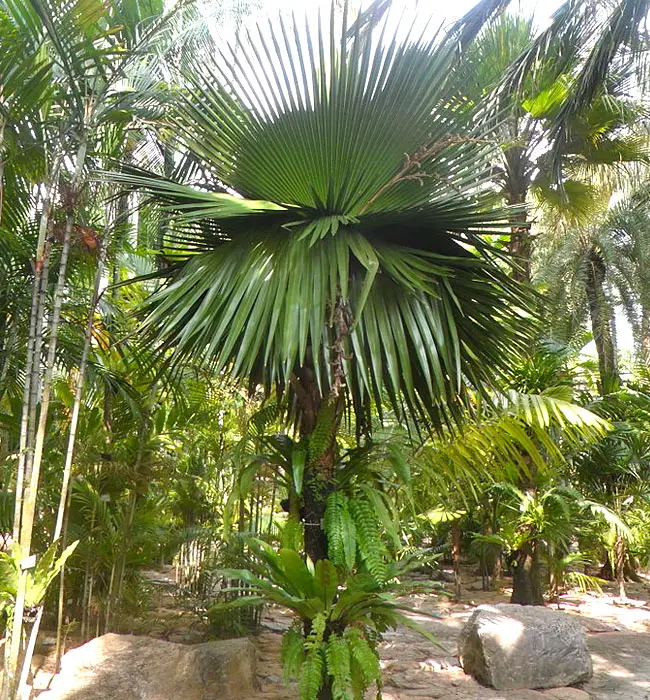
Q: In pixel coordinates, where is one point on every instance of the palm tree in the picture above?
(602, 261)
(597, 137)
(336, 248)
(628, 250)
(588, 43)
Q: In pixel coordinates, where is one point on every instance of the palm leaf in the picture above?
(312, 210)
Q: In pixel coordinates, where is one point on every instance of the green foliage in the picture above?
(292, 653)
(369, 537)
(311, 673)
(338, 657)
(344, 616)
(431, 313)
(39, 578)
(322, 437)
(341, 531)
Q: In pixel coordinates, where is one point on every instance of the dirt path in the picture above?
(618, 637)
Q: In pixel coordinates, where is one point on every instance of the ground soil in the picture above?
(618, 634)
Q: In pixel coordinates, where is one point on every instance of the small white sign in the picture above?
(28, 563)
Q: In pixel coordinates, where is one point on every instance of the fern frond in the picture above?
(311, 674)
(292, 653)
(364, 654)
(323, 434)
(341, 531)
(369, 537)
(337, 656)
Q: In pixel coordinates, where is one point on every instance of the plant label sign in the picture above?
(28, 563)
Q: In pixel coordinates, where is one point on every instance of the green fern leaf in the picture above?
(323, 434)
(311, 674)
(292, 653)
(364, 653)
(317, 631)
(337, 656)
(369, 538)
(341, 531)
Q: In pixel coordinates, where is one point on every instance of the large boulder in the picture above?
(514, 646)
(125, 667)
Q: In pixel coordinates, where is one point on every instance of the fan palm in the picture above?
(339, 248)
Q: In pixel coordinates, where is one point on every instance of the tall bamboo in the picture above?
(74, 422)
(26, 501)
(12, 650)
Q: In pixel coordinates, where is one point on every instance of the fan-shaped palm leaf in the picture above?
(342, 230)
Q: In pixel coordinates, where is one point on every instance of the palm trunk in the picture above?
(519, 246)
(39, 291)
(620, 560)
(645, 335)
(516, 190)
(318, 479)
(601, 322)
(526, 576)
(61, 606)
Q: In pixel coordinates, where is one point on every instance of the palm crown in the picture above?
(342, 230)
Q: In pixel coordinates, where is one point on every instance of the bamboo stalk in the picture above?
(32, 471)
(61, 606)
(14, 639)
(29, 508)
(32, 360)
(23, 690)
(81, 376)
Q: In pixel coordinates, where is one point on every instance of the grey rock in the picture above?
(513, 646)
(125, 667)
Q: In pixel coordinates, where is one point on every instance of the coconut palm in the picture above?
(337, 248)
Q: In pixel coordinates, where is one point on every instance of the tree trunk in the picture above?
(455, 555)
(644, 343)
(601, 322)
(32, 366)
(519, 245)
(520, 248)
(606, 571)
(324, 414)
(620, 560)
(526, 578)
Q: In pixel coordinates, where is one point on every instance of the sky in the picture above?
(439, 9)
